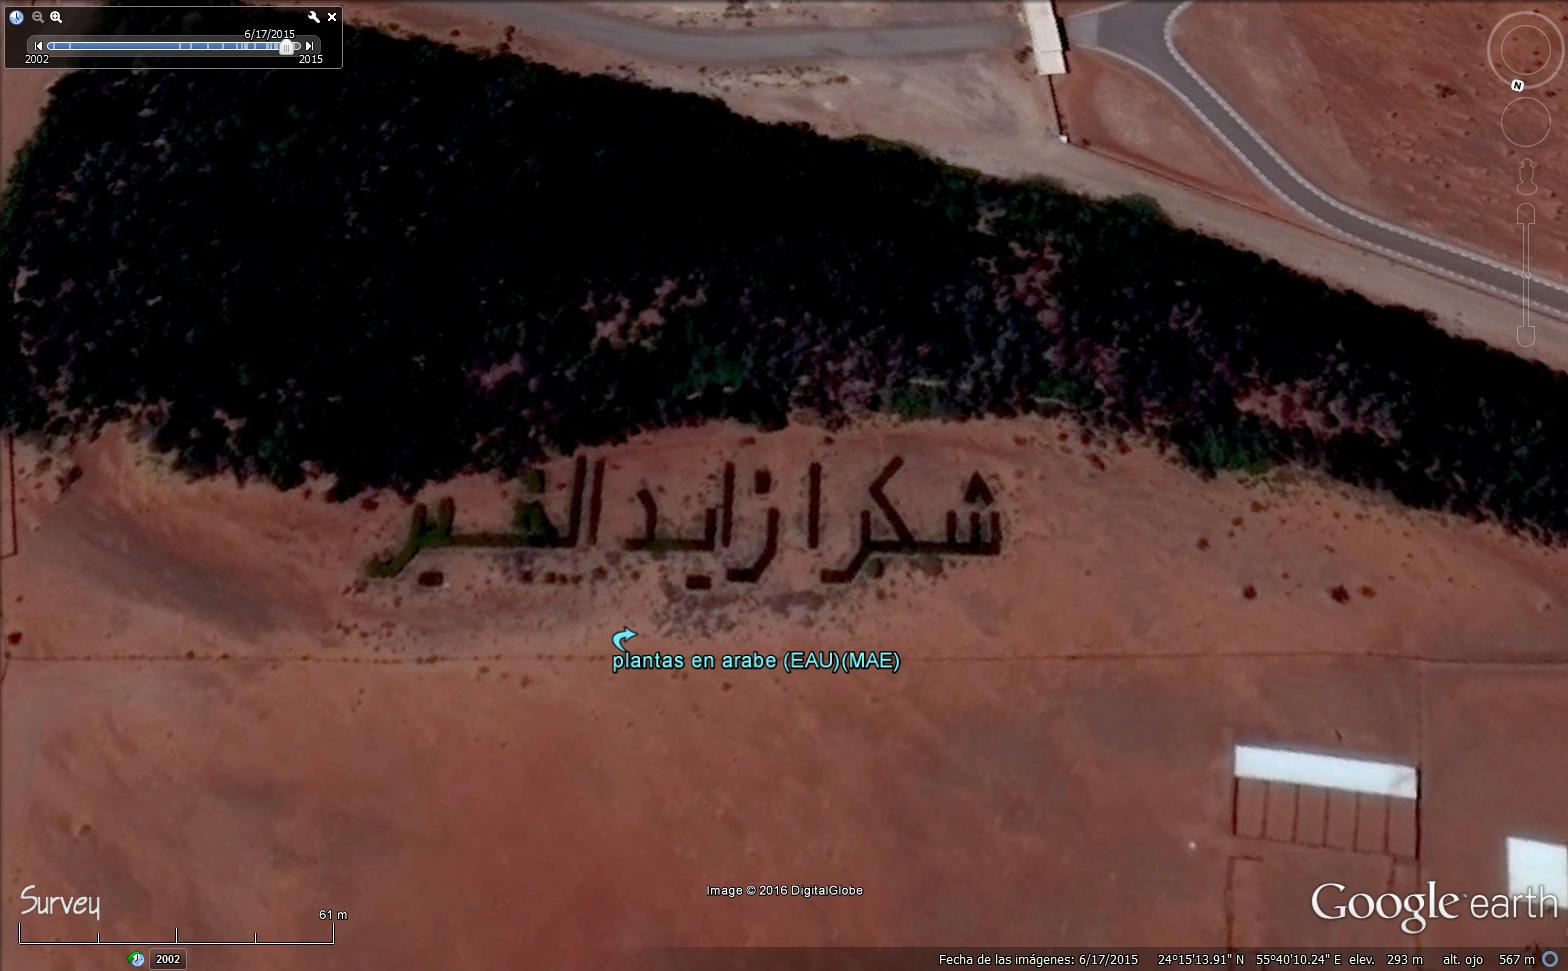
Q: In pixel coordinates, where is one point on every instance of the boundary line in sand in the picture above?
(1229, 896)
(7, 497)
(8, 520)
(374, 660)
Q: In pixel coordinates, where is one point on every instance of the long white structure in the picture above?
(1538, 867)
(1326, 771)
(1045, 36)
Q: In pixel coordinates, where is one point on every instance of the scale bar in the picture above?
(255, 941)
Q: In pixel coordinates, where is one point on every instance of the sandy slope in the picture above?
(791, 14)
(23, 95)
(1117, 110)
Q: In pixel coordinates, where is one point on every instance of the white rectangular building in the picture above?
(1045, 36)
(1327, 771)
(1542, 868)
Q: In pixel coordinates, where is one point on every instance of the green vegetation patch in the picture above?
(442, 262)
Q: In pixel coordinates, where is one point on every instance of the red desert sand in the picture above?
(215, 721)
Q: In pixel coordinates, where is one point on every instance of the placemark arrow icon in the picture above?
(622, 636)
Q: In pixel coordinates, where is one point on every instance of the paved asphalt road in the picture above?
(1139, 33)
(745, 46)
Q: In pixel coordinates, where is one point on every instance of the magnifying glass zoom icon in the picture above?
(54, 15)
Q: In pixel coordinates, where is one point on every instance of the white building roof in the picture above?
(1045, 36)
(1539, 867)
(1327, 771)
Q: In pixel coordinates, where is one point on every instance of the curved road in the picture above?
(1139, 33)
(745, 46)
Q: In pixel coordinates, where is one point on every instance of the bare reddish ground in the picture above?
(213, 721)
(1390, 107)
(1071, 8)
(797, 14)
(988, 109)
(1116, 110)
(23, 94)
